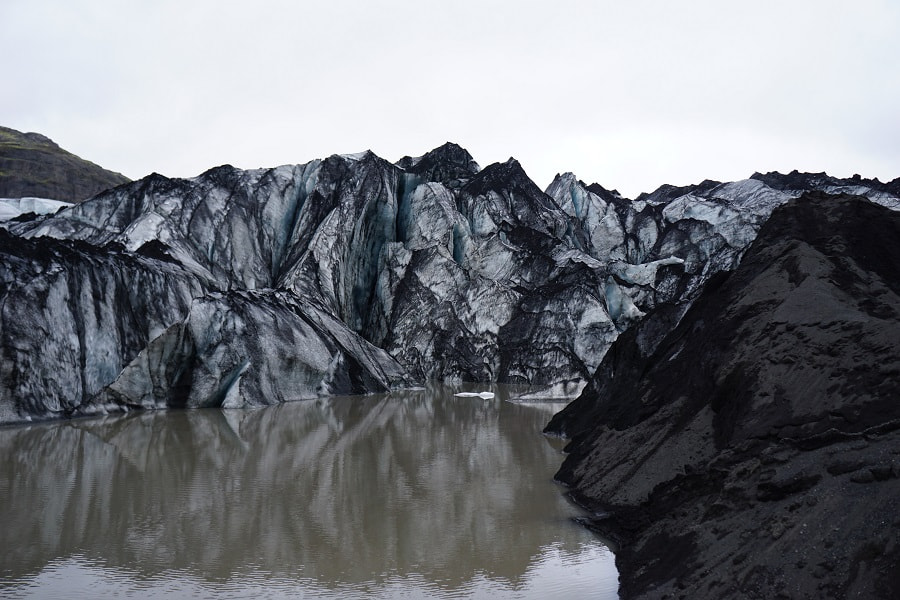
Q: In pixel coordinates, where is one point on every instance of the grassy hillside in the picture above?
(33, 165)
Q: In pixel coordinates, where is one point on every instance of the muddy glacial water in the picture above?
(418, 494)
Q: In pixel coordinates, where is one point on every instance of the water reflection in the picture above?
(422, 487)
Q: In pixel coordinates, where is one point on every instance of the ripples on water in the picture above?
(416, 495)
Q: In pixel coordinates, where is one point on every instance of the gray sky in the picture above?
(628, 94)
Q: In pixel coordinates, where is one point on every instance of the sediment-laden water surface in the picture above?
(416, 494)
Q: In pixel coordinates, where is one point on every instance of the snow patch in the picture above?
(10, 208)
(355, 156)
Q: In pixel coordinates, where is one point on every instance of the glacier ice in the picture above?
(11, 208)
(349, 275)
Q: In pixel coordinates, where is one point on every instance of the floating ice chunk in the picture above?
(482, 395)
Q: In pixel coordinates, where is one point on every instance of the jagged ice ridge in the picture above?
(352, 275)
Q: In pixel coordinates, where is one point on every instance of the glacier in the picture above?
(351, 274)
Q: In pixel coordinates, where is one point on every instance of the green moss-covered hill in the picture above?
(33, 165)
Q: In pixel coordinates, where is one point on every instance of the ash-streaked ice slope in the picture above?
(351, 275)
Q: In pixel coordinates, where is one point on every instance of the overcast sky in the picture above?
(628, 94)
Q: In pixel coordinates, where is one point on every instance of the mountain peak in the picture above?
(570, 179)
(507, 175)
(604, 193)
(666, 192)
(796, 180)
(448, 163)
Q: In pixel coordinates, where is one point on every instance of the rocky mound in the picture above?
(33, 165)
(754, 450)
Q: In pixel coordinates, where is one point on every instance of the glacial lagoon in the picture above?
(417, 494)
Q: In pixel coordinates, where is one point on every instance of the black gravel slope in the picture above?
(754, 451)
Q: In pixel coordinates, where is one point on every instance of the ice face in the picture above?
(644, 273)
(75, 316)
(349, 274)
(619, 305)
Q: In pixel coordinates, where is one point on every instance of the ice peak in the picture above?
(796, 180)
(356, 156)
(596, 188)
(451, 149)
(567, 180)
(507, 176)
(666, 192)
(447, 163)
